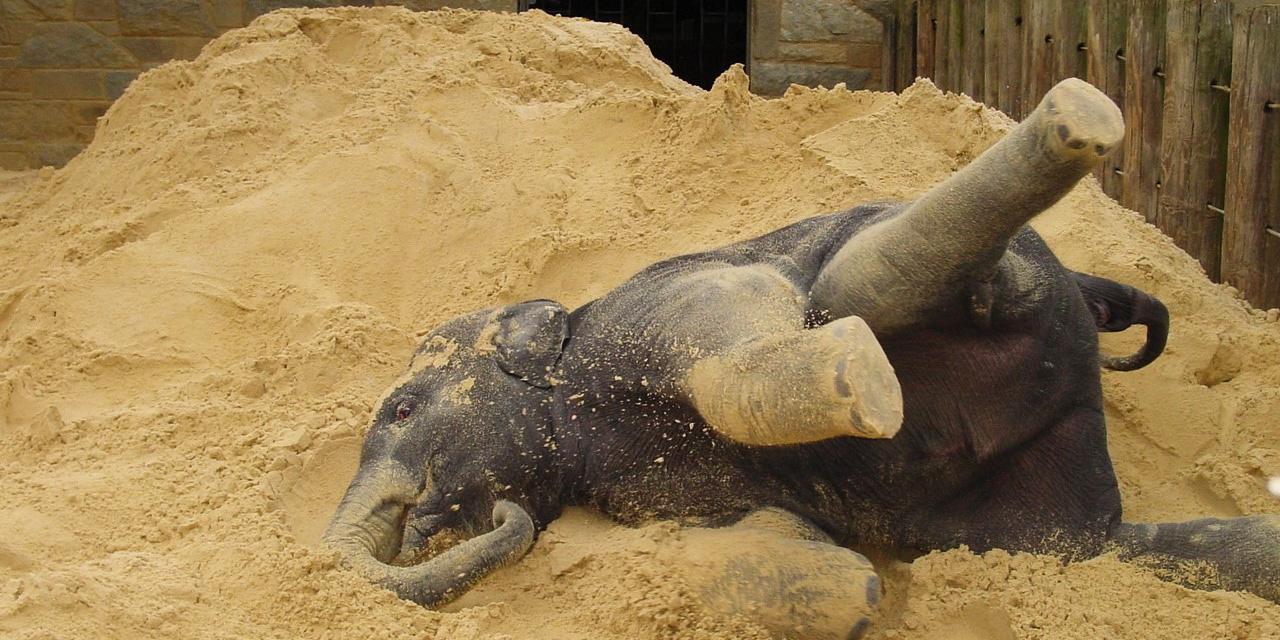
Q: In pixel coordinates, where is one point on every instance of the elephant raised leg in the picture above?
(779, 571)
(731, 341)
(901, 270)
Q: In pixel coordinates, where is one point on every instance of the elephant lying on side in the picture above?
(921, 375)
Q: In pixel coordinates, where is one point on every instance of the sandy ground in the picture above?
(198, 312)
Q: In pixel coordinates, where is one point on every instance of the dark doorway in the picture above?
(698, 39)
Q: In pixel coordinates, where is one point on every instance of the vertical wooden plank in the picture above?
(1143, 106)
(942, 44)
(889, 51)
(1002, 54)
(1018, 62)
(1014, 59)
(1193, 149)
(971, 72)
(1041, 54)
(926, 38)
(1070, 39)
(1106, 26)
(1251, 247)
(905, 59)
(955, 45)
(994, 35)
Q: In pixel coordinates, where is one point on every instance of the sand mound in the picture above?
(198, 312)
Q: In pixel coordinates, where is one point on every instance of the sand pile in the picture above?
(198, 312)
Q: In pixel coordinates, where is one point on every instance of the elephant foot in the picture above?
(1237, 554)
(864, 380)
(1084, 122)
(801, 386)
(792, 587)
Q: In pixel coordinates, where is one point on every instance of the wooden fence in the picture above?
(1199, 83)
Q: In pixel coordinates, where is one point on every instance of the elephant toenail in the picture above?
(842, 382)
(873, 590)
(859, 629)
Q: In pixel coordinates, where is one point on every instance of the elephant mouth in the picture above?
(426, 535)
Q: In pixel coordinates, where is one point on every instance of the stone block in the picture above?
(72, 45)
(95, 10)
(118, 81)
(9, 51)
(821, 20)
(89, 112)
(827, 52)
(69, 85)
(16, 32)
(165, 18)
(35, 10)
(13, 161)
(865, 55)
(109, 28)
(56, 155)
(508, 6)
(227, 14)
(31, 120)
(255, 8)
(14, 95)
(160, 50)
(84, 133)
(764, 29)
(773, 78)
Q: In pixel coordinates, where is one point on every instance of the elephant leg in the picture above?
(1238, 554)
(781, 572)
(1056, 493)
(899, 270)
(734, 341)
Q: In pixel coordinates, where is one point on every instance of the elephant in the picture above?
(918, 376)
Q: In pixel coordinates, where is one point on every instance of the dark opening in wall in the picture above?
(698, 39)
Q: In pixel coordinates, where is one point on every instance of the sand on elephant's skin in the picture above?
(198, 312)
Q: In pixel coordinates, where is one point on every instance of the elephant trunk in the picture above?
(898, 270)
(367, 529)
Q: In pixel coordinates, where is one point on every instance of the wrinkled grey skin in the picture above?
(957, 388)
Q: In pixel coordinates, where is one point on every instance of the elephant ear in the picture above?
(529, 338)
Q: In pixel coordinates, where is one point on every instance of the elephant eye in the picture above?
(403, 410)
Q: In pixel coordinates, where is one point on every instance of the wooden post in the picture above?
(1072, 43)
(1002, 53)
(993, 35)
(1251, 246)
(926, 38)
(943, 56)
(971, 73)
(942, 20)
(955, 45)
(1106, 24)
(905, 56)
(1143, 106)
(1193, 149)
(1042, 50)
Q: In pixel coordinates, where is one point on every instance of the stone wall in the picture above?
(812, 43)
(62, 62)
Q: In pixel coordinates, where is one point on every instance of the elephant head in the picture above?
(463, 444)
